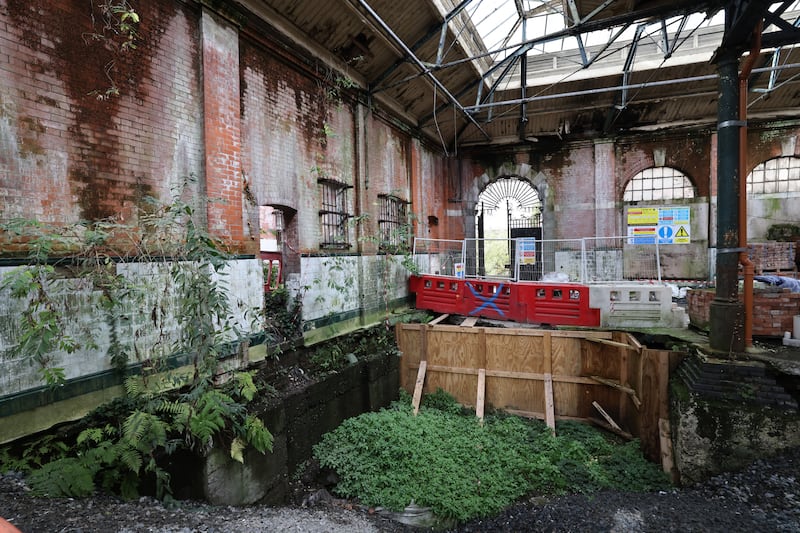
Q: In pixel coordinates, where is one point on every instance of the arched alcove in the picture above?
(507, 208)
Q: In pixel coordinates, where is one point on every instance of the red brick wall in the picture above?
(298, 122)
(293, 129)
(388, 162)
(573, 195)
(224, 183)
(773, 310)
(68, 153)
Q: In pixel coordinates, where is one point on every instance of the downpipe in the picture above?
(744, 259)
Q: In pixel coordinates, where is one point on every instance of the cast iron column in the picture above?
(727, 313)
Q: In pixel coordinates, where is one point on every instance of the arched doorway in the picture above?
(507, 209)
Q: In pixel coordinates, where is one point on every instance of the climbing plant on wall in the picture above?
(114, 26)
(184, 283)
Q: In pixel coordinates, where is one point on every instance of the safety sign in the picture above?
(666, 225)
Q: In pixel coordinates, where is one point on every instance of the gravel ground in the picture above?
(764, 497)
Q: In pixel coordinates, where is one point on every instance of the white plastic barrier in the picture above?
(626, 305)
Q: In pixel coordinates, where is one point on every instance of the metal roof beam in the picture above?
(743, 15)
(493, 89)
(787, 33)
(776, 56)
(628, 66)
(432, 31)
(599, 90)
(437, 84)
(625, 20)
(586, 27)
(677, 39)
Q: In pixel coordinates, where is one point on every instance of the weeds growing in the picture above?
(446, 460)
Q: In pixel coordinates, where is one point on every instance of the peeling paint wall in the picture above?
(213, 96)
(145, 327)
(300, 124)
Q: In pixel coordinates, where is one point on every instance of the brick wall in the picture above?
(68, 152)
(293, 130)
(224, 185)
(773, 310)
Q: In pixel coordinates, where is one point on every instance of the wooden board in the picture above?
(606, 416)
(459, 348)
(469, 321)
(440, 318)
(667, 460)
(479, 405)
(508, 356)
(548, 374)
(549, 408)
(418, 386)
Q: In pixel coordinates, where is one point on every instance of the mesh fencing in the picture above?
(587, 260)
(439, 257)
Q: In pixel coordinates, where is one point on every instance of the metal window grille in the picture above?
(392, 223)
(334, 215)
(658, 183)
(779, 175)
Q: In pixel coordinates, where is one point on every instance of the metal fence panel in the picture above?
(587, 260)
(439, 256)
(489, 258)
(615, 259)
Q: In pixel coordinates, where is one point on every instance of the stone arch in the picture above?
(510, 188)
(523, 172)
(508, 204)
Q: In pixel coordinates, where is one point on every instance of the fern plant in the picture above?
(197, 414)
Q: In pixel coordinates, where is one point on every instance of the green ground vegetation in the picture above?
(444, 458)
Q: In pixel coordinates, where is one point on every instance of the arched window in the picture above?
(779, 175)
(658, 183)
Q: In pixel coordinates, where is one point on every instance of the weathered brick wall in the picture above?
(438, 196)
(388, 171)
(581, 186)
(224, 185)
(67, 152)
(294, 131)
(773, 310)
(299, 124)
(571, 197)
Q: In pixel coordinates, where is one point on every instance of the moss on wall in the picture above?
(713, 436)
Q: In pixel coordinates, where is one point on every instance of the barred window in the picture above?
(334, 214)
(658, 183)
(778, 175)
(393, 223)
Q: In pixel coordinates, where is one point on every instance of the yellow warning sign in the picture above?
(682, 235)
(642, 215)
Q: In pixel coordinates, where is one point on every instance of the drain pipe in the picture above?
(744, 259)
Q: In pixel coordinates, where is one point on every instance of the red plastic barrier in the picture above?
(528, 302)
(490, 299)
(437, 293)
(564, 304)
